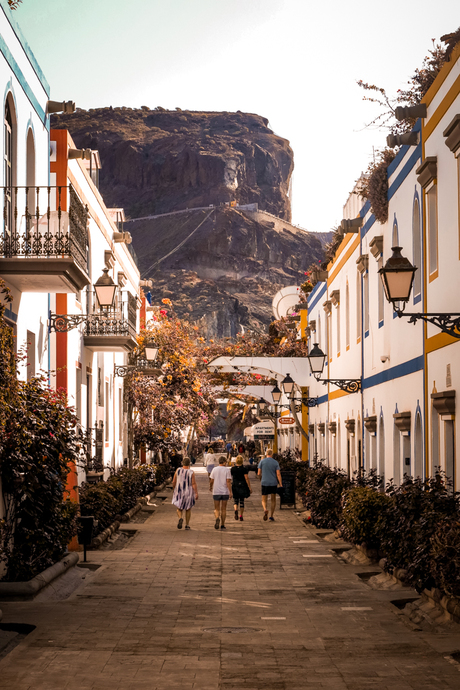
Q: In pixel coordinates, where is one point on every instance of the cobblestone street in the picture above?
(261, 605)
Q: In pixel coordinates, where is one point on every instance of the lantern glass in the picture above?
(105, 288)
(316, 359)
(262, 404)
(288, 384)
(151, 351)
(397, 277)
(276, 394)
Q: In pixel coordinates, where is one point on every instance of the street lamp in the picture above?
(151, 351)
(288, 384)
(317, 359)
(397, 277)
(262, 404)
(276, 394)
(105, 288)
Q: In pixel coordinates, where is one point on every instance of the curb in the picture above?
(103, 536)
(27, 590)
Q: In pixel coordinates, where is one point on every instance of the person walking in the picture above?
(228, 448)
(270, 475)
(241, 486)
(220, 483)
(185, 492)
(210, 461)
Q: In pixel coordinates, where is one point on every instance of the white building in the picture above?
(57, 236)
(402, 420)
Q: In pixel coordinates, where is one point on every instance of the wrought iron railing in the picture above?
(120, 320)
(36, 226)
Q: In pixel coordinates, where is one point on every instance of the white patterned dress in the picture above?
(184, 495)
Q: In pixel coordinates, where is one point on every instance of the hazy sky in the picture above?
(295, 62)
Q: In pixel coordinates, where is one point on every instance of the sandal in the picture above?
(179, 524)
(236, 515)
(266, 515)
(217, 523)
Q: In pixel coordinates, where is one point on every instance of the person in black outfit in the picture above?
(241, 486)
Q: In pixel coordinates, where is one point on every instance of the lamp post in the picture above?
(397, 277)
(317, 359)
(141, 364)
(105, 289)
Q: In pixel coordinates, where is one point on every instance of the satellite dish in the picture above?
(285, 300)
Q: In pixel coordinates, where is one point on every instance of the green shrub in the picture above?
(108, 501)
(363, 515)
(39, 443)
(418, 507)
(322, 493)
(445, 556)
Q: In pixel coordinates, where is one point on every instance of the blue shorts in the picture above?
(220, 497)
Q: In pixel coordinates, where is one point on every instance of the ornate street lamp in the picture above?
(151, 351)
(276, 394)
(105, 289)
(397, 277)
(317, 359)
(288, 384)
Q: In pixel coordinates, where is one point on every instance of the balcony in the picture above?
(43, 239)
(113, 330)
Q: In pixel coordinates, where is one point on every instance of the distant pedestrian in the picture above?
(241, 449)
(241, 486)
(220, 484)
(210, 461)
(185, 492)
(228, 448)
(270, 475)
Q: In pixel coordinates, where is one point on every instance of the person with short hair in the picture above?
(241, 486)
(185, 492)
(210, 461)
(269, 473)
(220, 483)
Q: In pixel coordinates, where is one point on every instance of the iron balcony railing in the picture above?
(36, 226)
(120, 320)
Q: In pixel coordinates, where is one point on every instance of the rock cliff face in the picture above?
(157, 161)
(220, 265)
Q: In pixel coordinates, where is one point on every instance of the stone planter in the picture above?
(18, 591)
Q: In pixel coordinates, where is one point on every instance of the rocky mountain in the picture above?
(183, 178)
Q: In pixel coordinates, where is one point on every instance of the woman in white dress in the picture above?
(185, 492)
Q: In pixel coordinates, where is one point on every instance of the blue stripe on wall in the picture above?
(323, 399)
(365, 209)
(396, 372)
(31, 57)
(367, 225)
(316, 295)
(416, 155)
(22, 80)
(402, 151)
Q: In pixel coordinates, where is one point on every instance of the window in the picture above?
(30, 351)
(8, 168)
(417, 248)
(78, 394)
(120, 414)
(106, 411)
(359, 311)
(432, 223)
(380, 295)
(347, 317)
(366, 304)
(338, 329)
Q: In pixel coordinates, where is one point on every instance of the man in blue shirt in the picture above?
(270, 474)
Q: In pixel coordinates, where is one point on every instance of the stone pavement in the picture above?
(159, 615)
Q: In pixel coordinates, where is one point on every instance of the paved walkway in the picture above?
(159, 615)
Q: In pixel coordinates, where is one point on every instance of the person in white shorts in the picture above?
(220, 483)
